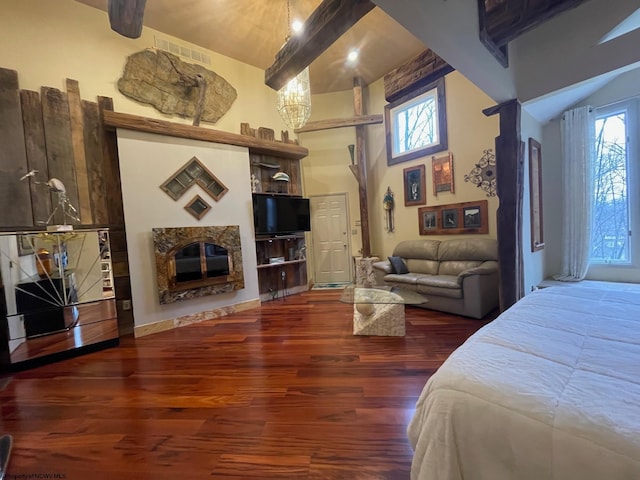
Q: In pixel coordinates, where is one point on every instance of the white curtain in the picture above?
(577, 130)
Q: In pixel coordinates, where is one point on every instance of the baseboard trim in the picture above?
(170, 324)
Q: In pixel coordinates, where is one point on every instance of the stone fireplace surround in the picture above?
(167, 241)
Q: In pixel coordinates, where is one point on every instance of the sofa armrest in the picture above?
(485, 268)
(380, 269)
(385, 266)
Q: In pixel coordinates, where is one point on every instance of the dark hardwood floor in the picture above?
(280, 392)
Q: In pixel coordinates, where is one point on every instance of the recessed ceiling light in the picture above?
(352, 56)
(297, 26)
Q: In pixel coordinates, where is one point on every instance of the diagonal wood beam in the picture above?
(125, 17)
(340, 123)
(325, 25)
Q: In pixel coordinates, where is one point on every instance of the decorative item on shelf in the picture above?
(388, 204)
(282, 179)
(44, 263)
(255, 184)
(294, 99)
(69, 212)
(483, 174)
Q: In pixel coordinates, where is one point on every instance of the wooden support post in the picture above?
(361, 156)
(510, 178)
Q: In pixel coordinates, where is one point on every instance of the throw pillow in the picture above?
(398, 265)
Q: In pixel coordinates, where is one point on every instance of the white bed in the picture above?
(549, 390)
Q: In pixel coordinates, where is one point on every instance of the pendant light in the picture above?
(294, 99)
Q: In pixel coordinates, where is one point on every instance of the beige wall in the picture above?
(49, 41)
(326, 169)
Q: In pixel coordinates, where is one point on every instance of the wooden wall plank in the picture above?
(77, 143)
(423, 69)
(57, 133)
(94, 161)
(115, 210)
(14, 194)
(36, 154)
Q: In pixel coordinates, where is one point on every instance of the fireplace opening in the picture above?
(194, 262)
(199, 264)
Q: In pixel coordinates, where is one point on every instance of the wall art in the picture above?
(454, 218)
(535, 193)
(414, 186)
(442, 172)
(483, 174)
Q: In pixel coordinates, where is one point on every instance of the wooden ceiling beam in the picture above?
(125, 17)
(504, 20)
(421, 70)
(324, 26)
(520, 16)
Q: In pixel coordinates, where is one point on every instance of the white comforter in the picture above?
(549, 390)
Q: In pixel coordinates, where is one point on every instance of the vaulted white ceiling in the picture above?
(551, 67)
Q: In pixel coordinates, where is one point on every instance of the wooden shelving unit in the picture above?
(289, 275)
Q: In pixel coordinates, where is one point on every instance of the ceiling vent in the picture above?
(182, 51)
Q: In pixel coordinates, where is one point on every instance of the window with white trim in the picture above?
(615, 185)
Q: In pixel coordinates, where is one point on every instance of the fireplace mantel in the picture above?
(115, 120)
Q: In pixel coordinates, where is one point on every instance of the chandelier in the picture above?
(294, 99)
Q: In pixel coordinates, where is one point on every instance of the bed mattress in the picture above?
(548, 390)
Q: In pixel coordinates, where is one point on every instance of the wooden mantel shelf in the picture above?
(127, 121)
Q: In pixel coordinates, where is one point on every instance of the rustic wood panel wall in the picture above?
(15, 197)
(62, 136)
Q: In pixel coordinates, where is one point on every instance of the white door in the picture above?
(330, 238)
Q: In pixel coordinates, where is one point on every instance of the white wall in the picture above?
(624, 87)
(146, 161)
(533, 261)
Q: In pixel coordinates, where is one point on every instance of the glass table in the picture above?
(379, 310)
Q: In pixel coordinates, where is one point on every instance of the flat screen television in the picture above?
(280, 214)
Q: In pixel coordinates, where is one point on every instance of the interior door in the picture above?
(330, 238)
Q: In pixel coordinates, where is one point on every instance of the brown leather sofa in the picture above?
(457, 276)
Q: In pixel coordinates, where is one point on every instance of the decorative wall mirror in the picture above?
(56, 293)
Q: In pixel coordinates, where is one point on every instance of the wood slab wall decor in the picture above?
(62, 136)
(167, 83)
(36, 153)
(14, 195)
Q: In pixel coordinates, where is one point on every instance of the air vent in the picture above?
(182, 51)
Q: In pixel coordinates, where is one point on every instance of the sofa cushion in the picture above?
(420, 249)
(454, 267)
(440, 281)
(398, 266)
(479, 249)
(430, 291)
(418, 265)
(439, 285)
(403, 280)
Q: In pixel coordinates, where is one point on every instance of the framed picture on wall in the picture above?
(442, 173)
(450, 218)
(454, 218)
(535, 192)
(414, 186)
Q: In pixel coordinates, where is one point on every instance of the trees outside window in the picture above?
(416, 125)
(610, 233)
